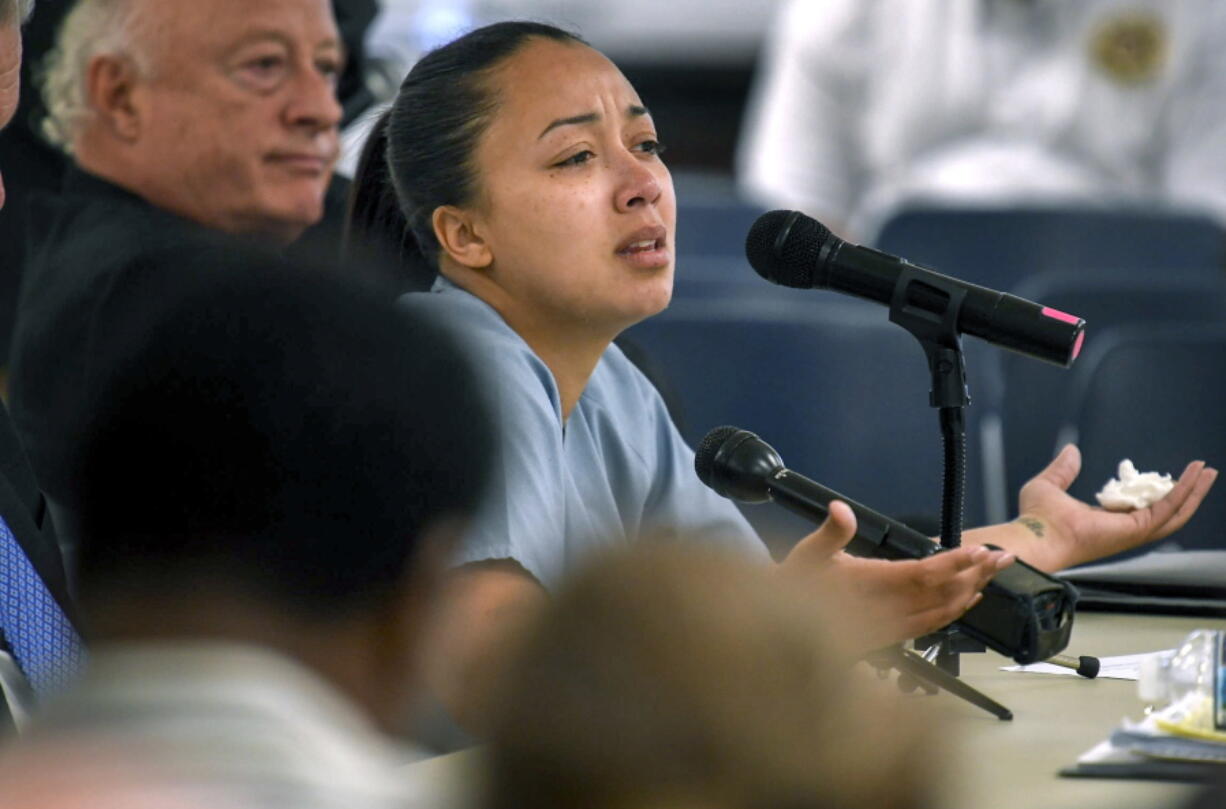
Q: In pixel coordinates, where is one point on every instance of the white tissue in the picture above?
(1133, 489)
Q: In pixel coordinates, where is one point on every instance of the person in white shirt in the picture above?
(864, 105)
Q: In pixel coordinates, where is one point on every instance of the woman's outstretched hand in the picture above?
(1055, 530)
(890, 601)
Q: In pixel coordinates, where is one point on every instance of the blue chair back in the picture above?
(715, 277)
(999, 247)
(837, 389)
(714, 226)
(1155, 395)
(1034, 392)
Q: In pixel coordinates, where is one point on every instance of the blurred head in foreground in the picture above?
(673, 677)
(280, 459)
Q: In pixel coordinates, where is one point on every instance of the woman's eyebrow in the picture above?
(586, 118)
(633, 111)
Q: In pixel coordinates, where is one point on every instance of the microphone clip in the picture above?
(930, 310)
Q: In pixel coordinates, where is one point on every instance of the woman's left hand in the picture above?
(1063, 531)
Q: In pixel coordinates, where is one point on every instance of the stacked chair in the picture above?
(1002, 247)
(1147, 270)
(839, 391)
(1155, 394)
(1036, 397)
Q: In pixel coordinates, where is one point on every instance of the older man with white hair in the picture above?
(33, 165)
(186, 120)
(223, 112)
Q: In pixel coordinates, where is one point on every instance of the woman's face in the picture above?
(574, 202)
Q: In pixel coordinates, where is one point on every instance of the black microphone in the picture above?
(794, 250)
(1024, 613)
(740, 466)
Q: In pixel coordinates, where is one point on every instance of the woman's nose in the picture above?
(639, 184)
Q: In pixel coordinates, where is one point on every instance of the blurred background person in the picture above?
(861, 107)
(269, 484)
(679, 677)
(39, 641)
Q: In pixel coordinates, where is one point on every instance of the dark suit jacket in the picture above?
(100, 257)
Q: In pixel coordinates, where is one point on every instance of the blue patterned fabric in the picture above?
(39, 634)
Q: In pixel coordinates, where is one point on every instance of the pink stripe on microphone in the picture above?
(1056, 314)
(1081, 338)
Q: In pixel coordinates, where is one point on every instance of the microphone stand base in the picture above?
(942, 648)
(932, 677)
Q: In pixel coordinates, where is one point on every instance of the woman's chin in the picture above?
(650, 303)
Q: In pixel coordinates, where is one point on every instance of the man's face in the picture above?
(10, 77)
(239, 118)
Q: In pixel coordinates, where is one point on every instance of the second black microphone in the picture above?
(1025, 613)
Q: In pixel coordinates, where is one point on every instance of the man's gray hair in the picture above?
(92, 28)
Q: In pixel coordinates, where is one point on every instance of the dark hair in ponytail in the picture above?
(420, 153)
(377, 242)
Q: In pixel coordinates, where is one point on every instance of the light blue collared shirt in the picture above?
(615, 471)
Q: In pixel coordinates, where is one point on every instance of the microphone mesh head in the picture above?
(704, 458)
(792, 259)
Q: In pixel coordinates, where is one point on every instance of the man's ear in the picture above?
(112, 85)
(458, 234)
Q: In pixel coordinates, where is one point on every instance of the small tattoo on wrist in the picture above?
(1036, 526)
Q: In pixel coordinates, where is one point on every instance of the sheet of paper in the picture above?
(1106, 753)
(1122, 667)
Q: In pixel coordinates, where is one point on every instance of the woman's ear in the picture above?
(457, 233)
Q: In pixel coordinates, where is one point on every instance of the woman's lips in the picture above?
(646, 248)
